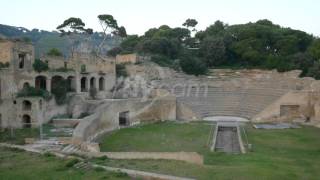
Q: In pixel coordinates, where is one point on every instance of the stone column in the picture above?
(48, 84)
(78, 83)
(87, 84)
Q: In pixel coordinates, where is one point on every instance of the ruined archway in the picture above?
(26, 121)
(26, 85)
(93, 82)
(26, 105)
(71, 84)
(83, 82)
(101, 84)
(41, 82)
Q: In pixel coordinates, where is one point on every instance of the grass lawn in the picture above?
(17, 164)
(163, 136)
(18, 135)
(277, 154)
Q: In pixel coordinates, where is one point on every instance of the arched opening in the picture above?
(84, 84)
(26, 85)
(124, 118)
(56, 82)
(59, 89)
(71, 84)
(101, 84)
(22, 58)
(93, 82)
(26, 105)
(41, 82)
(26, 121)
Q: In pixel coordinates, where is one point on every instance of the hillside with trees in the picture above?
(44, 41)
(261, 45)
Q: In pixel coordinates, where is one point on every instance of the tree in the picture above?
(129, 43)
(110, 26)
(192, 65)
(114, 51)
(72, 27)
(40, 66)
(314, 49)
(190, 23)
(54, 52)
(213, 51)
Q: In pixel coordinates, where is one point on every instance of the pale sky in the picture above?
(140, 15)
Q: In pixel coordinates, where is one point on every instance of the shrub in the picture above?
(121, 70)
(162, 60)
(83, 68)
(193, 65)
(114, 51)
(40, 66)
(60, 91)
(54, 52)
(71, 162)
(33, 92)
(4, 65)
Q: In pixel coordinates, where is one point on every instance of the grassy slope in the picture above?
(278, 154)
(158, 137)
(17, 165)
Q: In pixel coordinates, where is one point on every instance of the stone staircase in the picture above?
(71, 149)
(84, 166)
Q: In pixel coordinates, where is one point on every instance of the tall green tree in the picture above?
(72, 27)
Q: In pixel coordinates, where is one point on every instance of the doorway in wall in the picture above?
(124, 118)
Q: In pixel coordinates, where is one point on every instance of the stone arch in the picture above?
(41, 82)
(26, 121)
(83, 83)
(26, 105)
(92, 82)
(26, 85)
(101, 84)
(71, 84)
(56, 81)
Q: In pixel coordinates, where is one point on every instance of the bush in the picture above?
(121, 70)
(83, 68)
(40, 66)
(71, 162)
(54, 52)
(33, 92)
(162, 60)
(114, 51)
(4, 65)
(193, 65)
(60, 91)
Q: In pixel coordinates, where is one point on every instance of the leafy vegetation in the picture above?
(40, 66)
(34, 92)
(59, 90)
(277, 154)
(54, 52)
(17, 136)
(261, 45)
(24, 165)
(121, 70)
(4, 65)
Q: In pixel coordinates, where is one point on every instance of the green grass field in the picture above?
(277, 154)
(16, 164)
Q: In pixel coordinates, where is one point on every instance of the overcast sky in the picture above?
(139, 15)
